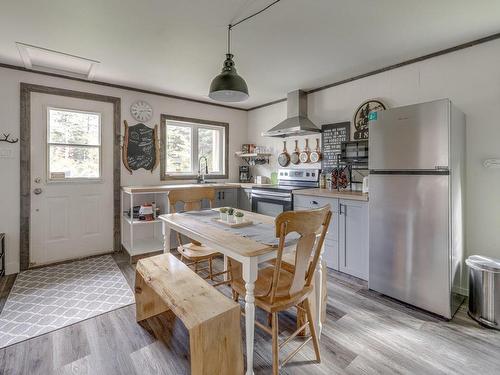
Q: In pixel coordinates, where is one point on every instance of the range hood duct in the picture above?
(296, 122)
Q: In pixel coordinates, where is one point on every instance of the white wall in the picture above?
(9, 123)
(471, 79)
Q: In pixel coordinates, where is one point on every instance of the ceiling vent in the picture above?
(46, 60)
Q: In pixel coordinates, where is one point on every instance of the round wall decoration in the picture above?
(141, 111)
(362, 116)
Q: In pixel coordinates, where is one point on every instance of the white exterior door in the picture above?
(71, 178)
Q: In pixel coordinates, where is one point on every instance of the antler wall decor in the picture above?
(6, 138)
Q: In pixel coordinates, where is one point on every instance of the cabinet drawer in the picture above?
(309, 202)
(333, 228)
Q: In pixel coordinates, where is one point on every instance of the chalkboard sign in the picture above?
(140, 147)
(332, 137)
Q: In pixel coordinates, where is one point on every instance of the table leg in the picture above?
(166, 237)
(250, 270)
(226, 276)
(318, 284)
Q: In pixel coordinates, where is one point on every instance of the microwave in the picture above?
(354, 152)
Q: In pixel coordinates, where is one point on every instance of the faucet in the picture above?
(201, 176)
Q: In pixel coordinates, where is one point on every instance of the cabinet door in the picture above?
(331, 252)
(245, 199)
(353, 238)
(225, 198)
(229, 197)
(219, 201)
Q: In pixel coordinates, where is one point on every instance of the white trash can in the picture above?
(484, 290)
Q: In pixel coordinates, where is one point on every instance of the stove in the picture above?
(274, 199)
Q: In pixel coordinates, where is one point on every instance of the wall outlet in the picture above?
(6, 153)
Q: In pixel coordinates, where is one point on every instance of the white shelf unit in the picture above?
(250, 157)
(139, 236)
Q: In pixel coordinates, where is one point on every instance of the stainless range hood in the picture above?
(296, 122)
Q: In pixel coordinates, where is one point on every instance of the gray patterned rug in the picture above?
(49, 298)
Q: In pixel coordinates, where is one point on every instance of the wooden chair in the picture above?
(280, 288)
(194, 251)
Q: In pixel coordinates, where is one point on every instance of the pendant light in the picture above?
(228, 86)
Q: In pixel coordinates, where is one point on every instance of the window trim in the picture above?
(164, 176)
(50, 180)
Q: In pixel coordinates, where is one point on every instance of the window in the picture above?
(185, 141)
(73, 144)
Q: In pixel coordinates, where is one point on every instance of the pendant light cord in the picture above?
(254, 14)
(230, 26)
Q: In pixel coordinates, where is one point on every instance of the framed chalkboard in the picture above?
(140, 147)
(332, 136)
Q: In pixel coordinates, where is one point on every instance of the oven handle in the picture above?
(280, 197)
(272, 193)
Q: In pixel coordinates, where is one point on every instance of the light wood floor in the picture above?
(365, 333)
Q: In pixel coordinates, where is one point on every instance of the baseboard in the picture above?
(11, 268)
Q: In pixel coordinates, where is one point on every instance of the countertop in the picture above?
(168, 187)
(353, 195)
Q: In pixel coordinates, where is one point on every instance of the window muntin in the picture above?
(73, 144)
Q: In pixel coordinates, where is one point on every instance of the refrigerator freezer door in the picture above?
(409, 256)
(413, 137)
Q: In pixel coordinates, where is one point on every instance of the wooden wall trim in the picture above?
(163, 142)
(117, 86)
(391, 67)
(25, 160)
(360, 76)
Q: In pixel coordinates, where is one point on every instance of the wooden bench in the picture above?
(165, 283)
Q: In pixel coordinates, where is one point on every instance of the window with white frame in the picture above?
(73, 144)
(192, 145)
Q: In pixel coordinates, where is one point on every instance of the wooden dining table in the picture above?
(249, 252)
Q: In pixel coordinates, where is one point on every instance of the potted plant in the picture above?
(230, 215)
(223, 213)
(238, 217)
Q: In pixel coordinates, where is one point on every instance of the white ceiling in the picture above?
(177, 47)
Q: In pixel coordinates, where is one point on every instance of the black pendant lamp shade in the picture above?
(228, 86)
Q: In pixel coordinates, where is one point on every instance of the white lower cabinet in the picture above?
(226, 197)
(346, 243)
(331, 253)
(353, 238)
(245, 199)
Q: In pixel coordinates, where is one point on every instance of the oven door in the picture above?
(271, 203)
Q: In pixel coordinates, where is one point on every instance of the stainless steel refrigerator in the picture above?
(417, 179)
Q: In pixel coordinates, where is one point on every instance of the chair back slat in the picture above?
(191, 198)
(304, 249)
(308, 224)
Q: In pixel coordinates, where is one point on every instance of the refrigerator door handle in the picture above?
(441, 168)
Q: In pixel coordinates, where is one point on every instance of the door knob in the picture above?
(37, 191)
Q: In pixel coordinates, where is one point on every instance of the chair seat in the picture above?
(262, 291)
(196, 252)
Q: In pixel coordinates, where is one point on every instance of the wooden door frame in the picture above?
(25, 154)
